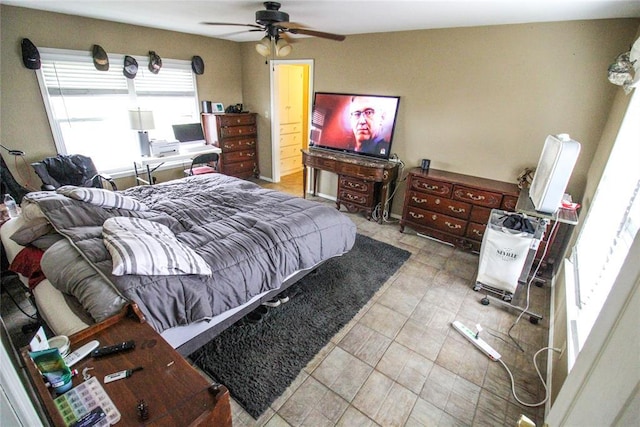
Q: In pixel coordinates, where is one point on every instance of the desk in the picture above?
(176, 394)
(362, 183)
(150, 164)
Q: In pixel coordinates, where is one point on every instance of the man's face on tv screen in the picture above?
(365, 120)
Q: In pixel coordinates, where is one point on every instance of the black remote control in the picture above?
(105, 351)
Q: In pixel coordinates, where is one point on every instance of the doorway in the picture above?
(291, 98)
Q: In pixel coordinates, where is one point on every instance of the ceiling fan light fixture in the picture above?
(264, 46)
(283, 48)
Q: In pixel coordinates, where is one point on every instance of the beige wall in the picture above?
(478, 101)
(24, 123)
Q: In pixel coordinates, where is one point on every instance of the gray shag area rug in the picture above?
(258, 361)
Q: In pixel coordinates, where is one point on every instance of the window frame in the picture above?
(581, 316)
(115, 60)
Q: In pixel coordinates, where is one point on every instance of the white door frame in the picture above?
(275, 111)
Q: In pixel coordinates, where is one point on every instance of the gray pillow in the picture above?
(71, 274)
(32, 230)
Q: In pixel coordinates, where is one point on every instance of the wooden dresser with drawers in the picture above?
(237, 137)
(363, 184)
(452, 207)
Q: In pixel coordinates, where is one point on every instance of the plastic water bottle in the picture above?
(11, 205)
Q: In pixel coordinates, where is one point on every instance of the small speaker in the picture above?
(207, 107)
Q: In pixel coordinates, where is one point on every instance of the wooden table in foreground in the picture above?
(175, 393)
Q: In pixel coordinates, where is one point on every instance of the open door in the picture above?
(291, 98)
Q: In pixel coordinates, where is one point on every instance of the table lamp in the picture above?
(142, 121)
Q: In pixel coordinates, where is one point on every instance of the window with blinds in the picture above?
(88, 109)
(609, 228)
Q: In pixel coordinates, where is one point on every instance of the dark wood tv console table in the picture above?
(362, 183)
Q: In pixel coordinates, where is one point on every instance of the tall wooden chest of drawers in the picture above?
(237, 137)
(454, 208)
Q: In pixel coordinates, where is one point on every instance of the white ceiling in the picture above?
(341, 17)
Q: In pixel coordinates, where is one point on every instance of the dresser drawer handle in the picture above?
(477, 232)
(250, 154)
(434, 217)
(456, 226)
(457, 210)
(472, 197)
(249, 143)
(354, 185)
(416, 216)
(415, 199)
(429, 187)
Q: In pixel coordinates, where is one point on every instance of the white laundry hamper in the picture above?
(504, 252)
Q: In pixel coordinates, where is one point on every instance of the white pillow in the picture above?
(140, 246)
(101, 197)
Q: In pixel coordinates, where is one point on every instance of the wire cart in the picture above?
(507, 254)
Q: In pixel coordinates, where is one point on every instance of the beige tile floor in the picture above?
(400, 363)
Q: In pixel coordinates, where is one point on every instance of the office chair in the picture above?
(74, 169)
(203, 163)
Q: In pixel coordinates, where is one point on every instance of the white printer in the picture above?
(161, 148)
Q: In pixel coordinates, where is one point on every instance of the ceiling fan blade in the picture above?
(287, 38)
(229, 23)
(331, 36)
(291, 25)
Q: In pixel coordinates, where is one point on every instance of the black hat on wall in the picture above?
(155, 62)
(197, 65)
(100, 58)
(30, 55)
(130, 68)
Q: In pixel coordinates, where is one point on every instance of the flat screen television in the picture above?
(354, 123)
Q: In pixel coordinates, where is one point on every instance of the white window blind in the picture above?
(609, 227)
(68, 77)
(88, 109)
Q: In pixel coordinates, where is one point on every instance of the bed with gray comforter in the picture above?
(250, 239)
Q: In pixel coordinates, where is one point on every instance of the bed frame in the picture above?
(204, 337)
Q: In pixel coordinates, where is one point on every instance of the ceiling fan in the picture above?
(276, 26)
